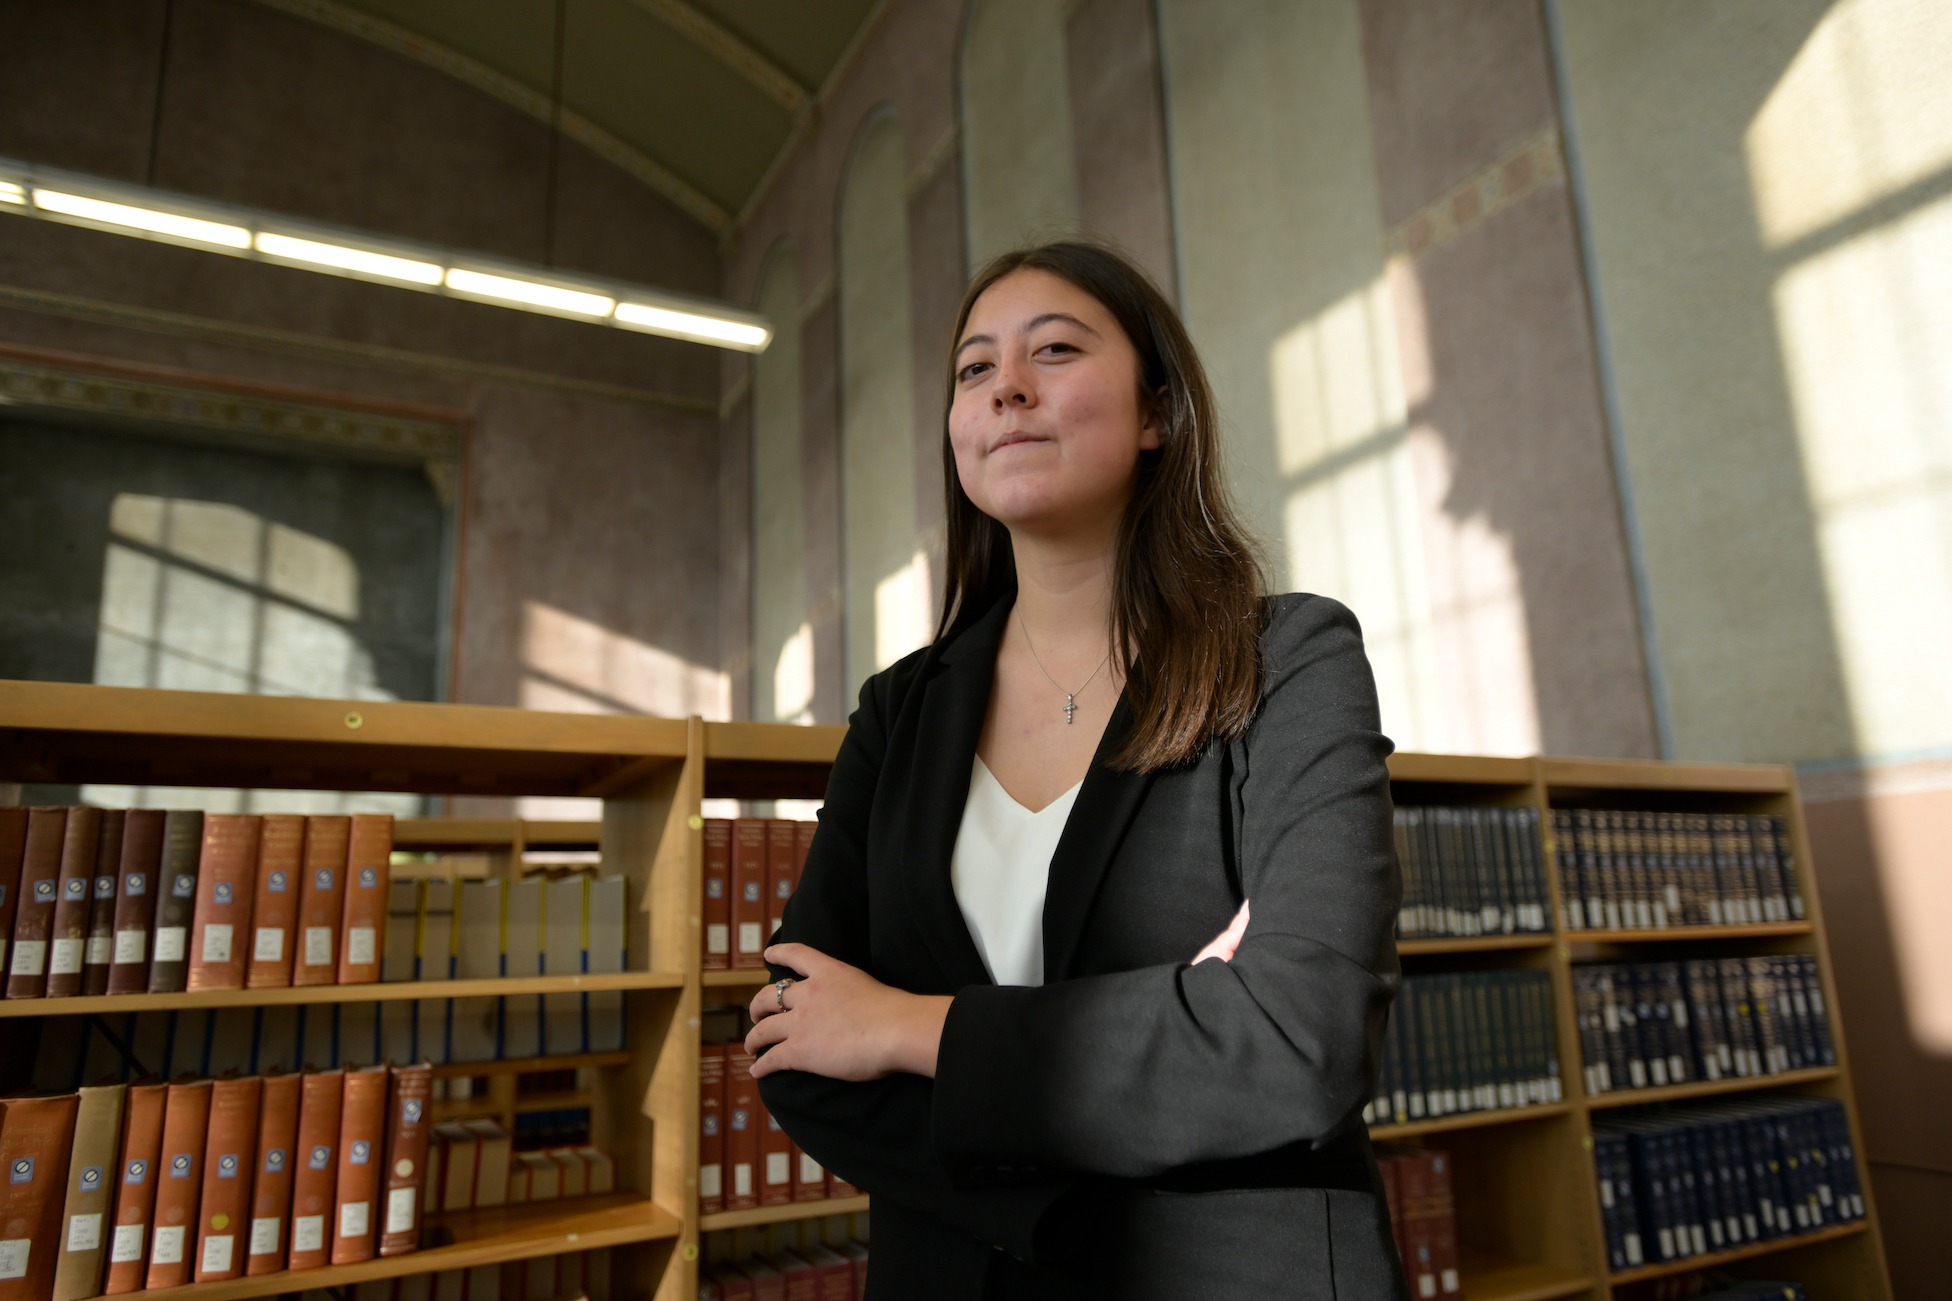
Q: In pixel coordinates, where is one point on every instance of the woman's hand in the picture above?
(841, 1022)
(1223, 945)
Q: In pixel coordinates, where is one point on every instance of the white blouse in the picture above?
(1000, 869)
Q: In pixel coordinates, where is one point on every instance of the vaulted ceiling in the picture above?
(695, 97)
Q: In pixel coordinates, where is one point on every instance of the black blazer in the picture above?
(1136, 1127)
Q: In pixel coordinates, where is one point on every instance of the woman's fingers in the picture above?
(802, 958)
(1227, 942)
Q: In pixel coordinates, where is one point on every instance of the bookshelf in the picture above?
(1529, 1221)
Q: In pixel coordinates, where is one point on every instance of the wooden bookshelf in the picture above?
(782, 1213)
(1688, 934)
(1748, 1251)
(380, 992)
(1710, 1088)
(1460, 1120)
(1476, 944)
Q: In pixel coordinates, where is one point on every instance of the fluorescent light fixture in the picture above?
(342, 258)
(174, 225)
(530, 293)
(11, 193)
(690, 325)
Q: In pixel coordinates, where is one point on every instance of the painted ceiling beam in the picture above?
(730, 49)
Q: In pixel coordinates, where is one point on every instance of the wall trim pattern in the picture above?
(1516, 175)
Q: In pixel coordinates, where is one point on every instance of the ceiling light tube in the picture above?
(174, 225)
(11, 193)
(691, 325)
(530, 293)
(340, 257)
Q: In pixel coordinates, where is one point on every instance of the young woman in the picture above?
(1086, 976)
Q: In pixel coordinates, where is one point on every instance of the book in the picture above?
(100, 951)
(321, 899)
(1468, 1041)
(362, 1138)
(493, 1150)
(775, 1157)
(135, 1188)
(572, 1174)
(544, 1175)
(742, 1127)
(36, 1138)
(135, 900)
(176, 901)
(608, 911)
(398, 1018)
(458, 1154)
(410, 1095)
(91, 1190)
(479, 924)
(68, 933)
(40, 882)
(809, 1177)
(565, 940)
(314, 1181)
(434, 960)
(186, 1127)
(274, 901)
(271, 1184)
(369, 857)
(226, 881)
(711, 1128)
(782, 861)
(521, 1014)
(229, 1161)
(749, 909)
(13, 846)
(716, 917)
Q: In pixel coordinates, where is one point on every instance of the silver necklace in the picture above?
(1070, 697)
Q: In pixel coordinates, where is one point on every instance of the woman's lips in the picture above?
(1016, 439)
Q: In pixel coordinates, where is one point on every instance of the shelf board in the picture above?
(1468, 1120)
(757, 761)
(1689, 1264)
(1680, 934)
(782, 1213)
(1708, 1088)
(1465, 769)
(574, 1100)
(1491, 1278)
(1692, 778)
(1476, 943)
(528, 1065)
(385, 992)
(481, 1238)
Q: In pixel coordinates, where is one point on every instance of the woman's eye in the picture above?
(971, 371)
(1057, 346)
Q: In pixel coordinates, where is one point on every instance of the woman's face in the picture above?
(1046, 422)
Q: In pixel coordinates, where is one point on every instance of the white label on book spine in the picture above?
(779, 1167)
(172, 942)
(354, 1219)
(13, 1257)
(361, 947)
(169, 1245)
(318, 946)
(67, 957)
(741, 1179)
(264, 1235)
(749, 941)
(718, 938)
(85, 1232)
(709, 1184)
(216, 1253)
(810, 1171)
(30, 958)
(270, 946)
(401, 1203)
(308, 1233)
(131, 945)
(101, 950)
(127, 1245)
(216, 942)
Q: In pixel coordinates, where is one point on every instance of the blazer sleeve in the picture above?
(876, 1133)
(1139, 1072)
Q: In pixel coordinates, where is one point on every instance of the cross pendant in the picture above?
(1070, 705)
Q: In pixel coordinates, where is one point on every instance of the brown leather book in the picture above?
(749, 911)
(271, 1184)
(742, 1125)
(274, 903)
(135, 1186)
(493, 1150)
(91, 1189)
(407, 1127)
(321, 902)
(229, 1156)
(457, 1161)
(362, 1138)
(101, 907)
(782, 858)
(809, 1177)
(186, 1125)
(711, 1128)
(839, 1187)
(67, 948)
(226, 881)
(135, 900)
(367, 876)
(775, 1158)
(176, 901)
(35, 1139)
(40, 882)
(13, 846)
(320, 1102)
(717, 914)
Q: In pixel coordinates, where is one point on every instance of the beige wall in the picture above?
(1019, 161)
(782, 641)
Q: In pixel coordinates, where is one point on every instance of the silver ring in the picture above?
(779, 991)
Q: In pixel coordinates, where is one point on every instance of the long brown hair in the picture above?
(1188, 579)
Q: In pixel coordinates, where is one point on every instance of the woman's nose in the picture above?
(1010, 390)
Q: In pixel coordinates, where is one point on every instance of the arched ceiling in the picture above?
(695, 97)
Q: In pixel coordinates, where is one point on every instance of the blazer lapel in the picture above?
(1104, 808)
(954, 699)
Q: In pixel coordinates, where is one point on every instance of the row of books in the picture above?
(1689, 1181)
(150, 901)
(1697, 1288)
(473, 1164)
(1423, 1218)
(744, 1158)
(1467, 1041)
(751, 867)
(1648, 1024)
(1650, 871)
(1470, 871)
(124, 1188)
(573, 1276)
(820, 1273)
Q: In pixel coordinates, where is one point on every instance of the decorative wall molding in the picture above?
(765, 75)
(1537, 164)
(939, 155)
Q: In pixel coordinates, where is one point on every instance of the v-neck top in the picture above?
(1000, 869)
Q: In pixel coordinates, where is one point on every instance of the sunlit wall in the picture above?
(782, 641)
(1019, 162)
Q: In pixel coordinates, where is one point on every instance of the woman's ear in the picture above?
(1152, 420)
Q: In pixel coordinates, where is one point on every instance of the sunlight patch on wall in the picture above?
(793, 678)
(902, 607)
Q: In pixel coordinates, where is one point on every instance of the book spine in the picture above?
(748, 893)
(186, 1126)
(36, 1139)
(775, 1157)
(230, 1157)
(742, 1126)
(135, 1188)
(13, 848)
(274, 901)
(782, 851)
(711, 1128)
(272, 1183)
(40, 883)
(91, 1187)
(135, 900)
(368, 859)
(408, 1126)
(321, 900)
(226, 880)
(176, 901)
(100, 951)
(362, 1133)
(68, 934)
(716, 917)
(314, 1181)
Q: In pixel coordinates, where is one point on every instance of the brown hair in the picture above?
(1188, 579)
